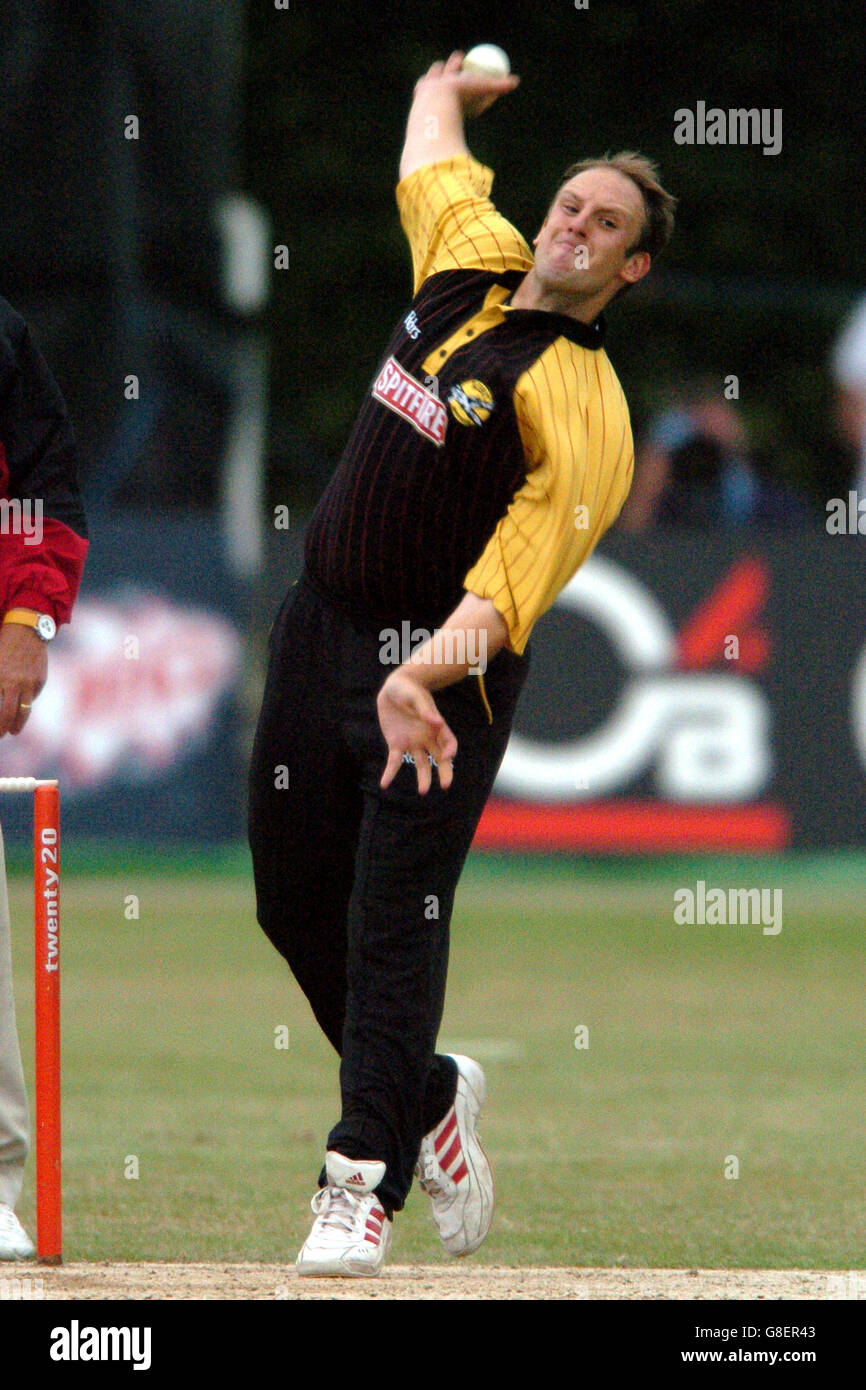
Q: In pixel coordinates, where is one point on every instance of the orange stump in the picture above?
(46, 876)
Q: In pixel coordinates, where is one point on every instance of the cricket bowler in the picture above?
(491, 453)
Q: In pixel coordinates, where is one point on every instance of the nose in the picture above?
(578, 220)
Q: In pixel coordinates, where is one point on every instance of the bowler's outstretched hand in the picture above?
(411, 723)
(475, 91)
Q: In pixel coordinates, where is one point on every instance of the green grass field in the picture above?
(704, 1043)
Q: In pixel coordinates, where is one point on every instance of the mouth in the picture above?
(565, 249)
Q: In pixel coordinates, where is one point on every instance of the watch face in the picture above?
(46, 627)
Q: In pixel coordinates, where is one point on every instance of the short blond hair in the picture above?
(658, 204)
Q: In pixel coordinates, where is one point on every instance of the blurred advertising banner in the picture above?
(139, 718)
(694, 692)
(688, 692)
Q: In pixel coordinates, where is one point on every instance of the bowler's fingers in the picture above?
(446, 743)
(392, 767)
(446, 773)
(445, 753)
(498, 88)
(440, 67)
(442, 759)
(422, 770)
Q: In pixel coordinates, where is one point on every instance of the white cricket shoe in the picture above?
(15, 1244)
(454, 1170)
(351, 1233)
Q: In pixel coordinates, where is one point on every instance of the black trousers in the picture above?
(355, 885)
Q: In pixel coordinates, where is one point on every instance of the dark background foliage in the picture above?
(768, 252)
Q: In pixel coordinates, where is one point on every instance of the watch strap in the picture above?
(28, 617)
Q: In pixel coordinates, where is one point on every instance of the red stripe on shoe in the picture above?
(452, 1153)
(444, 1138)
(460, 1174)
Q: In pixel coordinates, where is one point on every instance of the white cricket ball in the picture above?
(488, 59)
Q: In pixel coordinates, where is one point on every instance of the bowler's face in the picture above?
(584, 241)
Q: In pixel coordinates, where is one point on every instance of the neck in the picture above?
(532, 294)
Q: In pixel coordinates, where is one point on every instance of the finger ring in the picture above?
(23, 706)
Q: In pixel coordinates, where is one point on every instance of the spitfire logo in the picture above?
(399, 391)
(470, 402)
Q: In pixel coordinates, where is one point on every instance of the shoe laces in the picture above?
(336, 1208)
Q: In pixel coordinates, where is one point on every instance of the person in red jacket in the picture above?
(43, 544)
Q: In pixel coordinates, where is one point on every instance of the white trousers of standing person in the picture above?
(14, 1120)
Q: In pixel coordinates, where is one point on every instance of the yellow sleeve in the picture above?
(451, 224)
(575, 428)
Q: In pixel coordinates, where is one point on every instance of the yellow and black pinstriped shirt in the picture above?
(493, 449)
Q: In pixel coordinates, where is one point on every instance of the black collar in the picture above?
(588, 335)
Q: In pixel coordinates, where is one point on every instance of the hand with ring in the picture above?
(23, 670)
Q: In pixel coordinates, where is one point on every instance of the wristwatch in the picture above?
(42, 623)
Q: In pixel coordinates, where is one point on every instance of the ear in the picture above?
(636, 267)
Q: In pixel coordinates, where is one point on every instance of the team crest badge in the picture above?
(470, 402)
